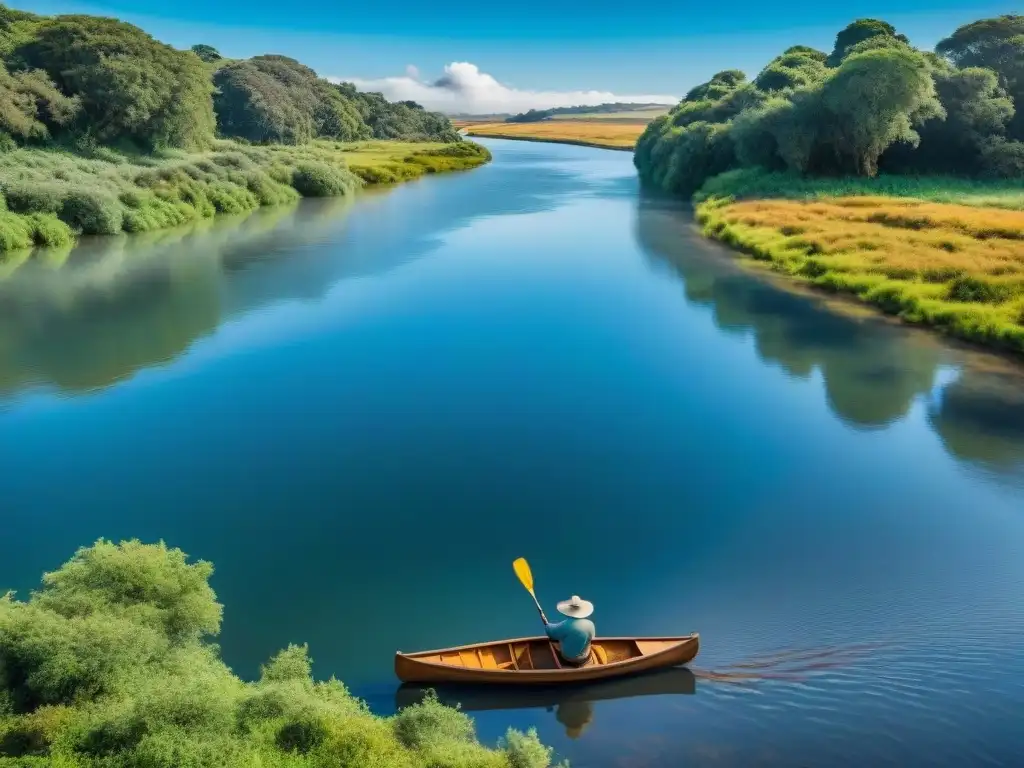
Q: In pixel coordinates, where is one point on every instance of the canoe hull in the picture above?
(532, 661)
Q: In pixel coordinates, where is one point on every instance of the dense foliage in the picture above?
(275, 99)
(47, 196)
(86, 81)
(108, 665)
(873, 103)
(405, 120)
(608, 108)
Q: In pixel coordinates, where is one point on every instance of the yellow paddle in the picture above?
(522, 569)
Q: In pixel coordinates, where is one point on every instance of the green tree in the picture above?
(814, 53)
(403, 120)
(857, 32)
(207, 53)
(277, 99)
(31, 106)
(977, 110)
(720, 85)
(131, 87)
(875, 99)
(152, 585)
(793, 69)
(997, 44)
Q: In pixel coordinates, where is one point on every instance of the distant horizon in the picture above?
(484, 61)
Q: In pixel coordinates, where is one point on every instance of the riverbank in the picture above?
(101, 674)
(940, 252)
(50, 197)
(601, 134)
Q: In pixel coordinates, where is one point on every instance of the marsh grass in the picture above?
(49, 196)
(957, 267)
(589, 133)
(755, 183)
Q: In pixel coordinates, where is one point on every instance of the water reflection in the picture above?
(872, 372)
(122, 304)
(980, 418)
(85, 319)
(572, 705)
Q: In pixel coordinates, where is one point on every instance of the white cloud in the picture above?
(465, 89)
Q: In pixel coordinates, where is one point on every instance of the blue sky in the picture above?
(535, 52)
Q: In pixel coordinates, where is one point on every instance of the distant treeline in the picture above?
(875, 103)
(536, 115)
(82, 81)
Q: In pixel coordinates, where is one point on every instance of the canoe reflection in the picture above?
(572, 704)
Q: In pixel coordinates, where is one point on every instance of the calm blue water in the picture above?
(361, 414)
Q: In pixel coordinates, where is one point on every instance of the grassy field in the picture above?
(938, 252)
(606, 134)
(640, 115)
(48, 197)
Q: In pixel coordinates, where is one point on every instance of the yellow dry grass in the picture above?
(956, 267)
(590, 133)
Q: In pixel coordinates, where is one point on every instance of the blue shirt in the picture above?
(573, 637)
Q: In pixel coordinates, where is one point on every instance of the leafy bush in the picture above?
(92, 213)
(107, 666)
(430, 722)
(525, 750)
(15, 232)
(1002, 158)
(49, 231)
(34, 197)
(319, 180)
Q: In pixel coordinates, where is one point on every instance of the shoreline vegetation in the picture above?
(104, 130)
(878, 171)
(110, 664)
(618, 134)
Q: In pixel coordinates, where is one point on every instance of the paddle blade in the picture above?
(522, 569)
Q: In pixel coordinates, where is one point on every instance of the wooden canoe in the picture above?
(533, 661)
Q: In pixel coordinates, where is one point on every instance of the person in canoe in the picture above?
(572, 636)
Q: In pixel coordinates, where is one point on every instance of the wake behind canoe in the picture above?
(532, 661)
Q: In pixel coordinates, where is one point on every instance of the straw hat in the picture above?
(575, 607)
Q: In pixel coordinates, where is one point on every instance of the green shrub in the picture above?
(267, 190)
(92, 213)
(34, 197)
(361, 742)
(973, 289)
(292, 663)
(302, 734)
(194, 194)
(376, 175)
(228, 198)
(430, 721)
(15, 232)
(49, 231)
(525, 749)
(320, 180)
(106, 667)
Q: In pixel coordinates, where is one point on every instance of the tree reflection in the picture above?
(980, 418)
(872, 372)
(118, 305)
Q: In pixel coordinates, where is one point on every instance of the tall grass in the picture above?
(588, 133)
(959, 268)
(755, 183)
(50, 196)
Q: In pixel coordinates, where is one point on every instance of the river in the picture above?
(361, 413)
